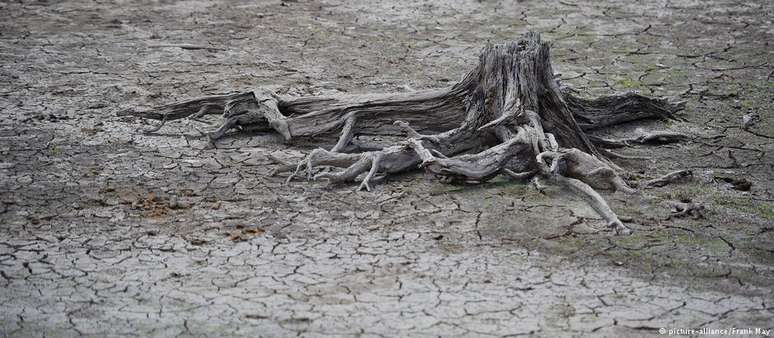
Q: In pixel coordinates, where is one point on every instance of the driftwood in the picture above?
(506, 116)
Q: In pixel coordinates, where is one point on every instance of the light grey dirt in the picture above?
(106, 232)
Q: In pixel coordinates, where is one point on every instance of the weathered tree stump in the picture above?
(506, 116)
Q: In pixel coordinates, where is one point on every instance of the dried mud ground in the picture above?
(105, 232)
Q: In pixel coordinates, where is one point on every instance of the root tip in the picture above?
(619, 228)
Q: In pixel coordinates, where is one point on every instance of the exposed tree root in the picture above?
(685, 208)
(642, 137)
(614, 110)
(675, 176)
(506, 116)
(563, 165)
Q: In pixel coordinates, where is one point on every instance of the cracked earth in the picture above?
(106, 232)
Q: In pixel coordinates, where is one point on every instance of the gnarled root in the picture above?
(470, 168)
(556, 172)
(582, 166)
(256, 110)
(613, 110)
(388, 160)
(323, 157)
(369, 161)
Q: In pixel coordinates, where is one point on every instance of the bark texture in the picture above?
(508, 115)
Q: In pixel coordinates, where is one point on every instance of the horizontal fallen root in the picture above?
(673, 177)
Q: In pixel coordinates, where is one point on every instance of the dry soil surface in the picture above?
(106, 232)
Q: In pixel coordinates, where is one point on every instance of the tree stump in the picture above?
(508, 115)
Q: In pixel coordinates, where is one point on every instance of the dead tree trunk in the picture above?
(507, 116)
